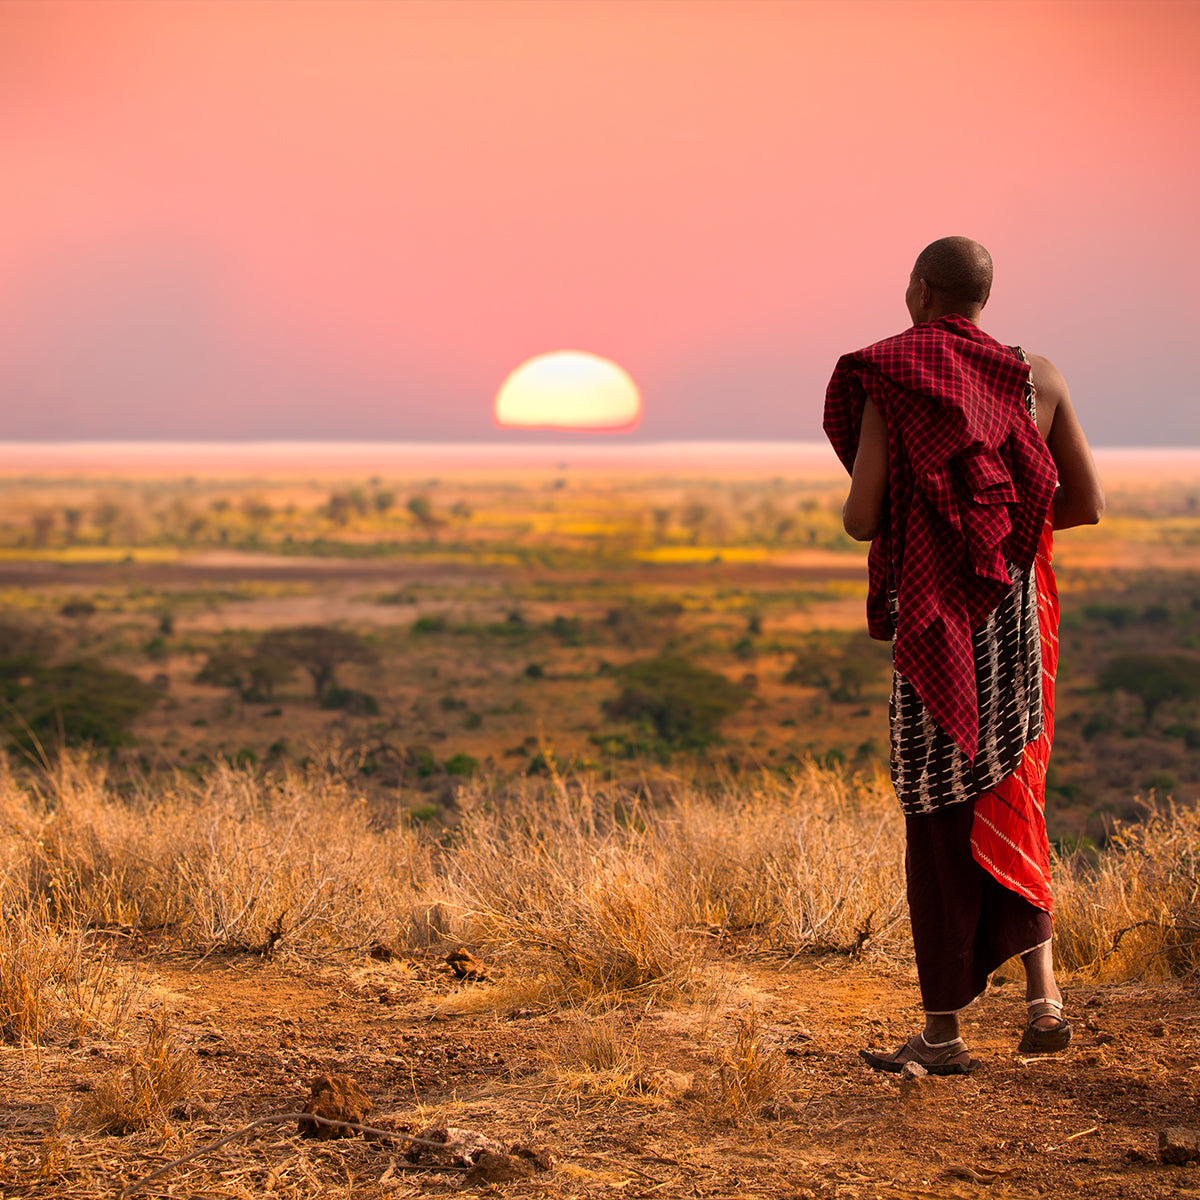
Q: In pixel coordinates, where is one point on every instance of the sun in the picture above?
(569, 389)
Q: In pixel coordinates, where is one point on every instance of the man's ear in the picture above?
(926, 294)
(983, 302)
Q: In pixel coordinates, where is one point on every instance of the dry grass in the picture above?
(1135, 911)
(52, 983)
(574, 893)
(157, 1076)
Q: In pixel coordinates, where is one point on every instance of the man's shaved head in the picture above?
(957, 269)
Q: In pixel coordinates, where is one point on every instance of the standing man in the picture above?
(964, 456)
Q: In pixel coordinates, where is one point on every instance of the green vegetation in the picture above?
(75, 703)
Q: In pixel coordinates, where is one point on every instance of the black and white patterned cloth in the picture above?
(928, 770)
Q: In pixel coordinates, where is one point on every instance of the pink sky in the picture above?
(231, 221)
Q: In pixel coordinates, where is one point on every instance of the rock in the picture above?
(1159, 1028)
(491, 1167)
(336, 1098)
(541, 1156)
(913, 1077)
(519, 1163)
(1178, 1145)
(1135, 1154)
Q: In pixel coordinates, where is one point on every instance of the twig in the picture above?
(276, 1119)
(1082, 1133)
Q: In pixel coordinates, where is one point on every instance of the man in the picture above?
(964, 455)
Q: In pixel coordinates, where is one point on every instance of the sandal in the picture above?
(938, 1058)
(1049, 1039)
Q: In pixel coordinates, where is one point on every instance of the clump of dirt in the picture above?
(466, 966)
(335, 1098)
(520, 1162)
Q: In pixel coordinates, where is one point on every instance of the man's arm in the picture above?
(862, 514)
(1079, 498)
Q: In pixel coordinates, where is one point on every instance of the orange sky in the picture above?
(353, 220)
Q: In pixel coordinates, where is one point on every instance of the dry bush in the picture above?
(233, 862)
(563, 879)
(1135, 910)
(157, 1076)
(812, 863)
(751, 1073)
(598, 1056)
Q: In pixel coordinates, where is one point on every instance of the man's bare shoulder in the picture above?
(1051, 389)
(1047, 378)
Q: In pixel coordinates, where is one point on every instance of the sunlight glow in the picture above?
(569, 389)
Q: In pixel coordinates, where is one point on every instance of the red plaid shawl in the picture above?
(969, 484)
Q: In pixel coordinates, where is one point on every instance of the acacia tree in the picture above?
(1152, 678)
(319, 650)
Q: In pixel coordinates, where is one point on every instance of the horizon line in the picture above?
(348, 444)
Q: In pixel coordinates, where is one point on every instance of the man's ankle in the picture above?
(940, 1029)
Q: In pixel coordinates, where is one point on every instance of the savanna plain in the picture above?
(391, 829)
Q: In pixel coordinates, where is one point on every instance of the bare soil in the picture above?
(410, 1035)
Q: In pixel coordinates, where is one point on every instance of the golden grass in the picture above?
(53, 984)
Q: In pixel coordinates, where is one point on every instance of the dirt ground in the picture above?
(412, 1036)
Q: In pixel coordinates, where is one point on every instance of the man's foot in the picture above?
(1046, 1030)
(938, 1058)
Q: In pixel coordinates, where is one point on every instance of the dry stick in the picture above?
(277, 1119)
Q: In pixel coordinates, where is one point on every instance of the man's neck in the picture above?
(971, 314)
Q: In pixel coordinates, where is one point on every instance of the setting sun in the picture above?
(569, 389)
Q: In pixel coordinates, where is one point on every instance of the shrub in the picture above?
(156, 1078)
(429, 624)
(1117, 615)
(356, 703)
(684, 703)
(461, 764)
(569, 630)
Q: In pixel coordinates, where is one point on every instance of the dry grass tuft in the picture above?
(751, 1072)
(156, 1078)
(599, 1057)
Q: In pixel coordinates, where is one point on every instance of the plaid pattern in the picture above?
(969, 484)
